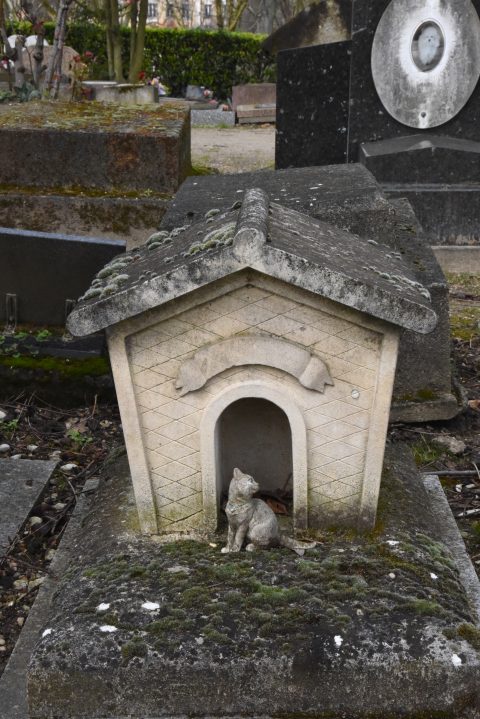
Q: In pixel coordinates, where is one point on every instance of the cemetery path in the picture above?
(239, 149)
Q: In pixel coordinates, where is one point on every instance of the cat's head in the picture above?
(243, 485)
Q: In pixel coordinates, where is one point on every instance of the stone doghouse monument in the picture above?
(260, 338)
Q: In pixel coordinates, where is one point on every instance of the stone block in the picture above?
(124, 149)
(43, 270)
(98, 215)
(21, 483)
(193, 641)
(124, 94)
(254, 94)
(256, 113)
(213, 118)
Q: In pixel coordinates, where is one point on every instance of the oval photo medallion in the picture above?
(426, 60)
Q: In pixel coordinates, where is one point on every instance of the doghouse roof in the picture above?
(266, 237)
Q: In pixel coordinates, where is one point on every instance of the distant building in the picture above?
(181, 13)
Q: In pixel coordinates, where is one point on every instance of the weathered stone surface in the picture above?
(107, 147)
(422, 159)
(256, 113)
(265, 633)
(427, 170)
(212, 118)
(300, 250)
(348, 197)
(21, 482)
(254, 93)
(44, 270)
(130, 219)
(320, 23)
(124, 94)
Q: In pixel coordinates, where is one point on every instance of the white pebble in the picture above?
(103, 607)
(458, 488)
(34, 521)
(20, 621)
(46, 632)
(108, 628)
(393, 542)
(2, 415)
(50, 555)
(338, 640)
(433, 575)
(151, 606)
(391, 575)
(2, 642)
(69, 467)
(32, 447)
(199, 640)
(59, 505)
(456, 661)
(4, 448)
(16, 456)
(55, 454)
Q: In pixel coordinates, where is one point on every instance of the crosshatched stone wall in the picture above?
(336, 422)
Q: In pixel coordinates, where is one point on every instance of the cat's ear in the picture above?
(237, 473)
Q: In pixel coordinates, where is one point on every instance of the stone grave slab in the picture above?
(264, 112)
(254, 93)
(212, 118)
(21, 483)
(348, 196)
(138, 628)
(108, 147)
(121, 217)
(44, 270)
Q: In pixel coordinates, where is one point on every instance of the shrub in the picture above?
(214, 58)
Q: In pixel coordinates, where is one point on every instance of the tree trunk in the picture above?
(108, 33)
(116, 41)
(54, 72)
(136, 60)
(219, 14)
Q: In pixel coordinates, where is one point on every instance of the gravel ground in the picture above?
(240, 149)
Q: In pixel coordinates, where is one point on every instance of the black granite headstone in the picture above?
(44, 270)
(328, 109)
(368, 119)
(312, 105)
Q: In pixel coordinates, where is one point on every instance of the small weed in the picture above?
(9, 428)
(43, 335)
(79, 440)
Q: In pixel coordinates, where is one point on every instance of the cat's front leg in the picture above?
(239, 537)
(230, 541)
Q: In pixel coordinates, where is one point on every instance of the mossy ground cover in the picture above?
(92, 117)
(392, 581)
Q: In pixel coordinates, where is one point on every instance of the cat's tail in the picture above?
(296, 546)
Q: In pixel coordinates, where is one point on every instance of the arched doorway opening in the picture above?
(254, 435)
(216, 455)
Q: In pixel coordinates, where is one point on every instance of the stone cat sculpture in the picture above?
(254, 520)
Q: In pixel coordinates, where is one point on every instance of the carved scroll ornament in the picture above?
(209, 361)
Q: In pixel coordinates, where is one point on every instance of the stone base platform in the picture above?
(380, 625)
